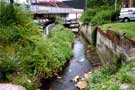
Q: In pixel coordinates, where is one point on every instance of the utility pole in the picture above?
(85, 4)
(115, 5)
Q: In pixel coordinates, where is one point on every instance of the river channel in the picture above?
(78, 65)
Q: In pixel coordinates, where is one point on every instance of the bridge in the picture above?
(43, 10)
(49, 11)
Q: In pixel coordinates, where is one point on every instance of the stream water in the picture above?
(78, 65)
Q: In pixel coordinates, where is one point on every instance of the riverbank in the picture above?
(91, 51)
(34, 56)
(104, 79)
(114, 74)
(127, 28)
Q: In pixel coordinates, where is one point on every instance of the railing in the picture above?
(44, 9)
(48, 28)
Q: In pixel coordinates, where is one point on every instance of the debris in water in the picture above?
(38, 89)
(70, 70)
(81, 85)
(76, 79)
(59, 77)
(87, 75)
(82, 60)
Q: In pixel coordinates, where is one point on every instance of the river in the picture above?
(78, 65)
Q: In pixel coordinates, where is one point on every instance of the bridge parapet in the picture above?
(45, 10)
(48, 9)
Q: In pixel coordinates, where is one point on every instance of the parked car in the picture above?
(127, 14)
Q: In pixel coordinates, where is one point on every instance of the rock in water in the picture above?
(9, 86)
(81, 85)
(87, 75)
(76, 79)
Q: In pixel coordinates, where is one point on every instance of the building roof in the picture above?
(78, 4)
(57, 4)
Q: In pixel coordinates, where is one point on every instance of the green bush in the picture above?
(115, 15)
(103, 79)
(102, 17)
(58, 20)
(11, 14)
(127, 73)
(7, 13)
(88, 15)
(26, 55)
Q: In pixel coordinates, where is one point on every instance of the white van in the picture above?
(127, 14)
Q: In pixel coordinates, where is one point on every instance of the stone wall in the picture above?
(117, 43)
(110, 45)
(86, 30)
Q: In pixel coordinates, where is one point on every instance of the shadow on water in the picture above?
(78, 65)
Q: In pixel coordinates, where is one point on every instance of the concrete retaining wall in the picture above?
(110, 45)
(86, 30)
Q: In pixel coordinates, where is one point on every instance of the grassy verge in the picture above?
(128, 28)
(103, 79)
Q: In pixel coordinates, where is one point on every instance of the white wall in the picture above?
(21, 1)
(75, 13)
(73, 16)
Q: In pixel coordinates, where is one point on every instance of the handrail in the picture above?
(48, 28)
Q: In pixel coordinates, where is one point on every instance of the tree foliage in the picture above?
(100, 11)
(97, 3)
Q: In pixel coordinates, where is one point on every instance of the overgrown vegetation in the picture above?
(127, 28)
(26, 56)
(104, 79)
(100, 12)
(59, 21)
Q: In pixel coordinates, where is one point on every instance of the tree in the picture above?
(101, 11)
(97, 3)
(7, 13)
